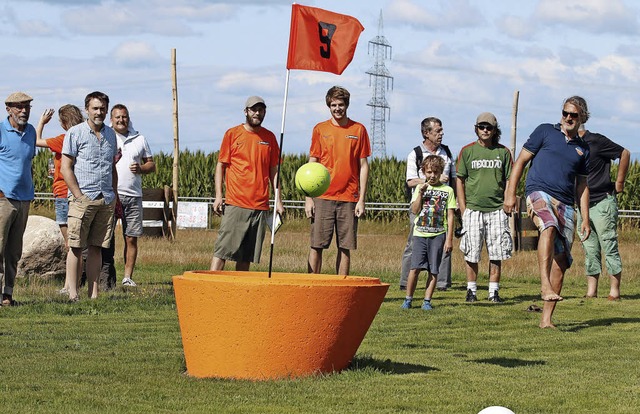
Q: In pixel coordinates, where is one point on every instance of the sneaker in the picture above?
(406, 304)
(470, 296)
(496, 298)
(402, 287)
(127, 281)
(426, 305)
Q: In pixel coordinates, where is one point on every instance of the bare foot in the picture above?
(551, 297)
(544, 325)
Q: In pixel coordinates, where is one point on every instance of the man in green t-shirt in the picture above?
(482, 170)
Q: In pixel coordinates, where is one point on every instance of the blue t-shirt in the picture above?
(17, 149)
(556, 163)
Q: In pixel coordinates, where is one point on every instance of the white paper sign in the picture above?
(193, 215)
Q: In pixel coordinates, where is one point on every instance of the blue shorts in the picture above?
(62, 210)
(427, 253)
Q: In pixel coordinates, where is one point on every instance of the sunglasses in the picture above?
(485, 127)
(573, 115)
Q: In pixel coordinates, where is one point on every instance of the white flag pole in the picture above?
(277, 183)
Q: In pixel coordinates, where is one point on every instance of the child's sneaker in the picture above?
(426, 305)
(406, 304)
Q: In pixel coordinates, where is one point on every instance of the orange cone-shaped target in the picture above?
(246, 325)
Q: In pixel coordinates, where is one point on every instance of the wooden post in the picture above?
(514, 124)
(176, 143)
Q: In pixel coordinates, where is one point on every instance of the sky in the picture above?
(452, 59)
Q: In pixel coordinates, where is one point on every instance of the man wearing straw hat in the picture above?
(17, 149)
(247, 163)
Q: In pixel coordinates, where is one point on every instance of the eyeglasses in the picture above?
(20, 107)
(485, 127)
(573, 115)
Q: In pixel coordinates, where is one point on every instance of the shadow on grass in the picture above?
(361, 363)
(623, 297)
(597, 322)
(524, 298)
(508, 362)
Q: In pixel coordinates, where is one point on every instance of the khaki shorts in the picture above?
(241, 234)
(90, 222)
(330, 215)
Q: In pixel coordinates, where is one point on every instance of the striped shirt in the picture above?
(94, 158)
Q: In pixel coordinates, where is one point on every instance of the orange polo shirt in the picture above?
(248, 157)
(340, 150)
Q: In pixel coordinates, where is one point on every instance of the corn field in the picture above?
(386, 179)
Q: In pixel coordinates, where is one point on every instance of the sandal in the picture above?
(9, 302)
(534, 308)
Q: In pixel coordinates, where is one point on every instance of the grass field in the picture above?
(123, 353)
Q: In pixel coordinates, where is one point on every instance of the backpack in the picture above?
(408, 191)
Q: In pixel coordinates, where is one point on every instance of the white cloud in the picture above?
(205, 12)
(596, 16)
(37, 28)
(147, 16)
(135, 54)
(613, 68)
(242, 80)
(516, 27)
(450, 15)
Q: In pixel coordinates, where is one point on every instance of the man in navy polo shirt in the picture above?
(557, 178)
(17, 148)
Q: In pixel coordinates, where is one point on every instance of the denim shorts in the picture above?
(62, 210)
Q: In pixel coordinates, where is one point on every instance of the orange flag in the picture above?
(321, 40)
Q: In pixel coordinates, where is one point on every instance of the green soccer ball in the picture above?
(312, 179)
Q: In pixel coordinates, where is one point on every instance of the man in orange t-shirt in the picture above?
(341, 145)
(248, 164)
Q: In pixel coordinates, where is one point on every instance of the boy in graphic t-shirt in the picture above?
(434, 204)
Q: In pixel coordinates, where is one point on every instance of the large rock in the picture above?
(43, 251)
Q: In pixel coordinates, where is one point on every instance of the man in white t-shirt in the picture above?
(432, 133)
(136, 160)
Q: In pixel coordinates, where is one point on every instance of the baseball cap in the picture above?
(253, 100)
(487, 118)
(18, 97)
